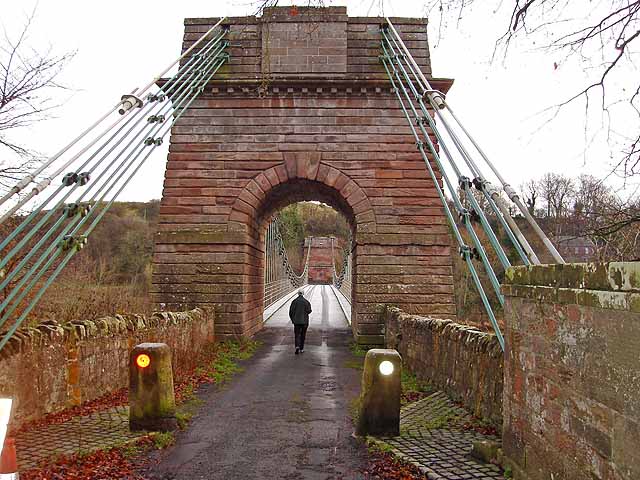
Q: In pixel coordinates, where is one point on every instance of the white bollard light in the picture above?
(380, 395)
(386, 367)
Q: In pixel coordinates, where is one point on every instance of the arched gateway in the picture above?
(302, 111)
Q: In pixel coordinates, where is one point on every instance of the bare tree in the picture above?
(28, 78)
(587, 207)
(529, 190)
(557, 193)
(615, 229)
(603, 37)
(260, 5)
(591, 197)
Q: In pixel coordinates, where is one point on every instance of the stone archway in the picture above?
(302, 177)
(296, 189)
(278, 130)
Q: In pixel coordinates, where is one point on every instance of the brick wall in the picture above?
(256, 141)
(50, 367)
(460, 360)
(572, 371)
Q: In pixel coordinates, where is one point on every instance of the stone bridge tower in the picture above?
(320, 259)
(302, 111)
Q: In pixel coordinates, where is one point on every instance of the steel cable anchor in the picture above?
(437, 96)
(129, 101)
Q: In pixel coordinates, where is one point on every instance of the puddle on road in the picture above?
(329, 386)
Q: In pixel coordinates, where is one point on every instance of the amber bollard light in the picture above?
(380, 396)
(152, 404)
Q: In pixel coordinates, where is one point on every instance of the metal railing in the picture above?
(279, 277)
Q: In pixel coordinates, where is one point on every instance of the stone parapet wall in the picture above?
(572, 371)
(50, 367)
(461, 360)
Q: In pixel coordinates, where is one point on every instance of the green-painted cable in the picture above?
(464, 213)
(449, 215)
(493, 240)
(215, 68)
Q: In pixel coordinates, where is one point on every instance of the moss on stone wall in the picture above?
(47, 333)
(610, 276)
(613, 285)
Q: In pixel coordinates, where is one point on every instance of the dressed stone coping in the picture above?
(52, 332)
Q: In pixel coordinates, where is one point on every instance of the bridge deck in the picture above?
(286, 416)
(327, 313)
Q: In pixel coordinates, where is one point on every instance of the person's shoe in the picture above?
(297, 350)
(302, 350)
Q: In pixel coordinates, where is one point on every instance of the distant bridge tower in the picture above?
(320, 259)
(303, 110)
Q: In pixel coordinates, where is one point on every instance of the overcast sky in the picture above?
(121, 45)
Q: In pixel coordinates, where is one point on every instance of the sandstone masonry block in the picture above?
(572, 372)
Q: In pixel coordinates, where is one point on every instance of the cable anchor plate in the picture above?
(70, 179)
(70, 242)
(439, 98)
(129, 101)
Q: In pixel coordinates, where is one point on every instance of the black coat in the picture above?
(299, 311)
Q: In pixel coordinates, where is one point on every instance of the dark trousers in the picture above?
(300, 332)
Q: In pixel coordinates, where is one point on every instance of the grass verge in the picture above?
(218, 363)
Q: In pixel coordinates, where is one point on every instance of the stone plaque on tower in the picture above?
(304, 42)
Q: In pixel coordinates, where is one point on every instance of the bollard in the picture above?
(380, 396)
(8, 458)
(9, 461)
(5, 415)
(152, 404)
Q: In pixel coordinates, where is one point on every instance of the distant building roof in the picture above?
(573, 241)
(576, 249)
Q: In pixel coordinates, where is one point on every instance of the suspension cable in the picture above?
(73, 243)
(464, 182)
(343, 276)
(280, 278)
(464, 214)
(127, 103)
(180, 91)
(466, 252)
(489, 192)
(437, 99)
(86, 175)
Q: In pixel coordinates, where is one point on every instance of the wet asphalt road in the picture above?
(285, 416)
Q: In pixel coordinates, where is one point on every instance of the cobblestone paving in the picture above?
(99, 430)
(432, 437)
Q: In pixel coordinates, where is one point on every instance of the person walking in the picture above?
(299, 314)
